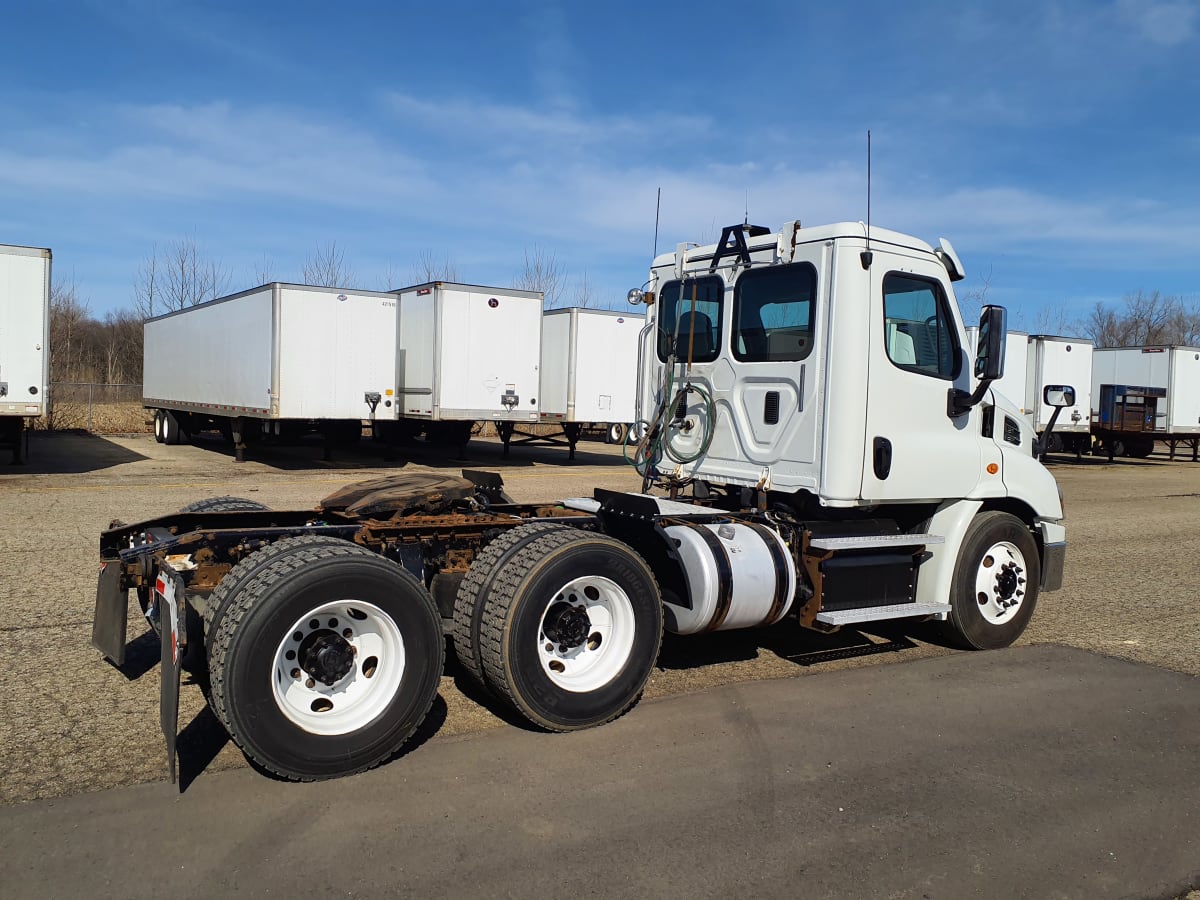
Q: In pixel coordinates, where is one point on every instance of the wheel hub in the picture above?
(567, 625)
(1006, 581)
(326, 656)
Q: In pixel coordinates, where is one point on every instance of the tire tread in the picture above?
(299, 553)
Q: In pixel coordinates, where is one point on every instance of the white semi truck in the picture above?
(24, 341)
(819, 447)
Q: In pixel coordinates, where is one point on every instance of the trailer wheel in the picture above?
(158, 426)
(571, 630)
(995, 584)
(1139, 447)
(615, 433)
(170, 429)
(325, 661)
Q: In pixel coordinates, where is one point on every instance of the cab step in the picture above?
(875, 541)
(879, 613)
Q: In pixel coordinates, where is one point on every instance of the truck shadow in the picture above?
(70, 453)
(787, 641)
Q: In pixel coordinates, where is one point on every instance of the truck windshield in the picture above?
(699, 324)
(772, 313)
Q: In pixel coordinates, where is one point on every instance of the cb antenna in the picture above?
(867, 255)
(657, 208)
(746, 221)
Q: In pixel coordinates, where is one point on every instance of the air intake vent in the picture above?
(681, 406)
(771, 407)
(1012, 431)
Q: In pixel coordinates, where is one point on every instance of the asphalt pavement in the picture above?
(1039, 771)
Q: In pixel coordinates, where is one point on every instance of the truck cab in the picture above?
(830, 369)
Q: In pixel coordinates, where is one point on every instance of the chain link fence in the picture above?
(95, 407)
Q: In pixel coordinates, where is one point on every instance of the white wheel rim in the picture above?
(363, 692)
(585, 665)
(1001, 583)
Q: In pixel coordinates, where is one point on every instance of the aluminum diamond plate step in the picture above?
(874, 541)
(878, 613)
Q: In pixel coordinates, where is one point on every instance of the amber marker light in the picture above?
(992, 468)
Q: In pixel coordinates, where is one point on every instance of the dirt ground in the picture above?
(71, 723)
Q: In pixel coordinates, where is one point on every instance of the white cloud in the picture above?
(1167, 22)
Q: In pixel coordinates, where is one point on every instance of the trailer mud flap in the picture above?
(169, 588)
(112, 614)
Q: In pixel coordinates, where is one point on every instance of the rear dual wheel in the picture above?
(563, 624)
(324, 659)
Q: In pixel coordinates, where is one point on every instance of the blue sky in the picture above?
(1056, 144)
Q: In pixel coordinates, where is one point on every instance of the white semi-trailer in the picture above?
(1145, 394)
(589, 374)
(1060, 360)
(1014, 383)
(265, 361)
(465, 353)
(24, 341)
(820, 447)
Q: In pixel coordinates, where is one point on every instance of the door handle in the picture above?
(882, 458)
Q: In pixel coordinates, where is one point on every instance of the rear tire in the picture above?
(170, 430)
(363, 641)
(571, 630)
(995, 586)
(251, 565)
(615, 433)
(475, 588)
(224, 504)
(158, 426)
(1139, 448)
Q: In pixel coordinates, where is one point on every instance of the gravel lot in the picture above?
(72, 723)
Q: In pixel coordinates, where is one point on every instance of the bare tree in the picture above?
(264, 270)
(69, 319)
(430, 267)
(541, 273)
(972, 300)
(327, 267)
(584, 296)
(1054, 320)
(1145, 319)
(178, 277)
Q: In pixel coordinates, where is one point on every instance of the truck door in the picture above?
(913, 449)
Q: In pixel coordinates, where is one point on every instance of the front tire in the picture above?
(325, 661)
(571, 630)
(995, 585)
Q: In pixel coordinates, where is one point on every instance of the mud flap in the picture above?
(170, 590)
(112, 613)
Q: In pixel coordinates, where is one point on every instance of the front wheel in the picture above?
(325, 661)
(571, 629)
(995, 583)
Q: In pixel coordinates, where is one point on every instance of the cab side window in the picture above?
(918, 328)
(773, 313)
(691, 309)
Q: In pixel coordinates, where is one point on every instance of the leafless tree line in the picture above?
(1145, 319)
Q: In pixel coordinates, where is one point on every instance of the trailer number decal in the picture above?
(165, 588)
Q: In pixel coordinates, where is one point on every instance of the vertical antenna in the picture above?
(746, 221)
(657, 208)
(866, 255)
